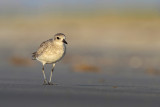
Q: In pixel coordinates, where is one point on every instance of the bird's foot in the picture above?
(45, 82)
(50, 83)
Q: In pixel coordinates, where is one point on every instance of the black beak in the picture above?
(64, 41)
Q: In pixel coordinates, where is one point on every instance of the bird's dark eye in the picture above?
(58, 38)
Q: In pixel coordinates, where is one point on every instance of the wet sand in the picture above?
(77, 96)
(25, 89)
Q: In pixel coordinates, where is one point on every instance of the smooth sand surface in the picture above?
(31, 95)
(25, 89)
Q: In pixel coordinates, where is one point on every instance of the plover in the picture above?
(50, 52)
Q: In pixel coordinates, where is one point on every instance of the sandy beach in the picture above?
(77, 89)
(77, 95)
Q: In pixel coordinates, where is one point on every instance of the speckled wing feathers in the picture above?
(42, 48)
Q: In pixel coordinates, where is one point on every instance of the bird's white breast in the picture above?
(53, 54)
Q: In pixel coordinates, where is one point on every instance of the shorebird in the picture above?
(50, 52)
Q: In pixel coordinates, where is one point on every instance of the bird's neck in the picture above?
(58, 43)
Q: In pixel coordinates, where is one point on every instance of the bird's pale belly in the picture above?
(51, 57)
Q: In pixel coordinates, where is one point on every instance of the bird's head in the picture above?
(60, 37)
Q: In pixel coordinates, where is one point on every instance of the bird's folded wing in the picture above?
(43, 47)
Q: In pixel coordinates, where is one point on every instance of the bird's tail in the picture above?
(34, 56)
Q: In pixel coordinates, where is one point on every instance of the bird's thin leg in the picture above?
(50, 83)
(45, 80)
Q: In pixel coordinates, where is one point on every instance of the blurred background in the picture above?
(106, 38)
